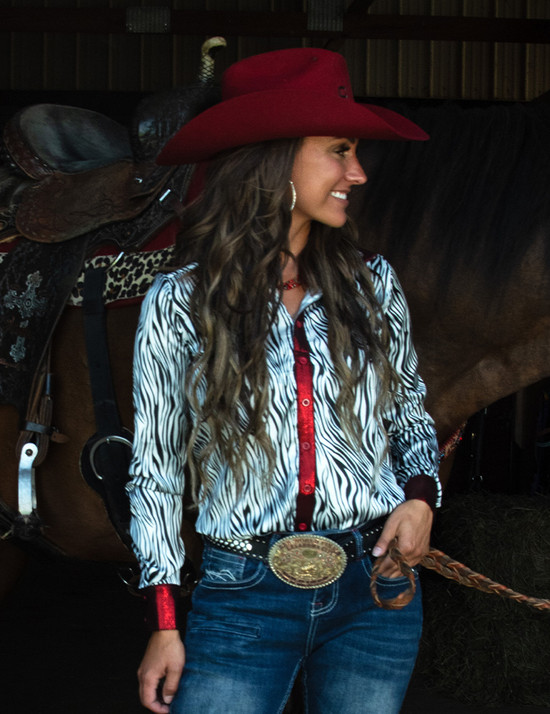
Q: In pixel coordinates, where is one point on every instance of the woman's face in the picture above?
(324, 171)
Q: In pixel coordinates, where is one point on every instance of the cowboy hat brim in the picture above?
(282, 114)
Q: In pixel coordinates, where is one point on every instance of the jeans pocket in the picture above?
(389, 588)
(224, 570)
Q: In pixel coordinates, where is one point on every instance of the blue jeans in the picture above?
(249, 634)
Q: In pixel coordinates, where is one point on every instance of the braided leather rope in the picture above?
(450, 569)
(446, 566)
(450, 444)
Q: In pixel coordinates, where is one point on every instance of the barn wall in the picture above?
(129, 62)
(503, 71)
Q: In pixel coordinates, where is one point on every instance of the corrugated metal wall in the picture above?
(380, 67)
(457, 70)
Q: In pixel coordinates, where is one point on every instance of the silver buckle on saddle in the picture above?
(307, 561)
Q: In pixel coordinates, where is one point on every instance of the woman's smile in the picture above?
(340, 195)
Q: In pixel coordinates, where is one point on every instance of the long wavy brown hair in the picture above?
(236, 233)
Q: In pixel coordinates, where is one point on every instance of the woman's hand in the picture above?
(410, 523)
(164, 659)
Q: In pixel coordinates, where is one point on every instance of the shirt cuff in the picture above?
(423, 488)
(160, 607)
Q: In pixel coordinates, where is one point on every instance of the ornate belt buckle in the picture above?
(307, 561)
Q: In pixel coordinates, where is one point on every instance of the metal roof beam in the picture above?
(281, 24)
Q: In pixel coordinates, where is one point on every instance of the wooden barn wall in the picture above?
(126, 62)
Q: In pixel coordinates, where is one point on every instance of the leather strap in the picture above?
(95, 329)
(105, 458)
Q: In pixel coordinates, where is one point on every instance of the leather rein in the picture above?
(452, 570)
(446, 566)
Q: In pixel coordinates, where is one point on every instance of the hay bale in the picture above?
(480, 648)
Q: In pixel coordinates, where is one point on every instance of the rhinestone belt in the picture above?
(259, 546)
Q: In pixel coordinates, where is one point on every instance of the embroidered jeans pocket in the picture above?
(221, 569)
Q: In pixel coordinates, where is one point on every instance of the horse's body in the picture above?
(74, 516)
(465, 220)
(481, 309)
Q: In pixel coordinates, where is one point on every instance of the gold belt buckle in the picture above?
(307, 561)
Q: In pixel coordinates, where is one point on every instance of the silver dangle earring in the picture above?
(293, 202)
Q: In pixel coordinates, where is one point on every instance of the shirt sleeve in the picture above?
(157, 467)
(411, 431)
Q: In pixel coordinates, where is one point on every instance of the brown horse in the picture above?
(74, 516)
(465, 220)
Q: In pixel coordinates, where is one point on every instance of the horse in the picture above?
(464, 220)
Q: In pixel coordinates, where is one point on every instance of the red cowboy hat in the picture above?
(282, 95)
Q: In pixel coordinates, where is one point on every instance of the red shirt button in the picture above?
(302, 526)
(302, 360)
(307, 488)
(306, 446)
(305, 402)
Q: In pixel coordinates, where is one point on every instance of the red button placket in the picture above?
(306, 428)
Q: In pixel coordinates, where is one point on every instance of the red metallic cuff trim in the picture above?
(160, 607)
(423, 488)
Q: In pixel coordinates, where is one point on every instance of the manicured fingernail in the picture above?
(377, 550)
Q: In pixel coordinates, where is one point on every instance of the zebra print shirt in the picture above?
(353, 485)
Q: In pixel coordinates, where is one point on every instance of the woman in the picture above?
(275, 366)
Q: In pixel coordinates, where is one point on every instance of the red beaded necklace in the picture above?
(290, 284)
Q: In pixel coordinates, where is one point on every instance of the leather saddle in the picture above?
(78, 173)
(68, 171)
(72, 180)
